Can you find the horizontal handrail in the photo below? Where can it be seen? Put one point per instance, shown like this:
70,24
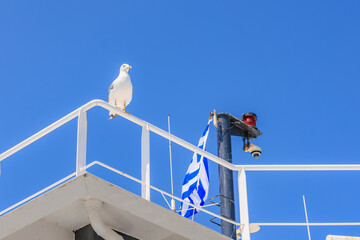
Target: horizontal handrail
127,116
81,161
309,224
173,138
169,195
211,213
37,194
309,167
161,191
160,132
39,134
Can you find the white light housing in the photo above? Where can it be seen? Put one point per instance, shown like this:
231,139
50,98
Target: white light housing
253,229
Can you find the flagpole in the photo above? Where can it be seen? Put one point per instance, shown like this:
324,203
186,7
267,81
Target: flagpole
171,172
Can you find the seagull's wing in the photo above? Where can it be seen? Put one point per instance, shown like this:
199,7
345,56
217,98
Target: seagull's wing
110,88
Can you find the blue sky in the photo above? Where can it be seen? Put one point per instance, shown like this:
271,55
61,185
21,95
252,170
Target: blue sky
294,63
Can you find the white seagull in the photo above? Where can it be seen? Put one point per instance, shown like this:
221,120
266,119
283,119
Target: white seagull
121,90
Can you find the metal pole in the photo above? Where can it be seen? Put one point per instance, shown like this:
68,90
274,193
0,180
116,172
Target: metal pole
81,142
243,205
145,162
171,171
226,183
306,216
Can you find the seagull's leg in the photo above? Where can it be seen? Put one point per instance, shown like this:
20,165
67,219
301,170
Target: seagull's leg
112,102
125,110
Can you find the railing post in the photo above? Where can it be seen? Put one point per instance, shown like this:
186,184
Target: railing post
81,142
243,205
145,162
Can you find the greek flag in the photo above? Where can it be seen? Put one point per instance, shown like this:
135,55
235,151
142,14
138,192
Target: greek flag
195,188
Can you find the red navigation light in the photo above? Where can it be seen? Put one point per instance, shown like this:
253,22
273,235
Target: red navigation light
249,118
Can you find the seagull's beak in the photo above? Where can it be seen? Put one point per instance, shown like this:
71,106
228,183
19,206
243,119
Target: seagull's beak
129,67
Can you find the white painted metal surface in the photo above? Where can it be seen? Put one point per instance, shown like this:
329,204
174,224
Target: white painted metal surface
145,162
37,194
243,205
191,147
310,167
333,237
306,217
172,205
93,207
75,192
42,230
63,208
81,142
202,209
39,135
310,224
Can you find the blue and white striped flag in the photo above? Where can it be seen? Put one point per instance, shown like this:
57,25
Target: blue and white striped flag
195,188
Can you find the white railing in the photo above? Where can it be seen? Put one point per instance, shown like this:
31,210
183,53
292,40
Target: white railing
145,164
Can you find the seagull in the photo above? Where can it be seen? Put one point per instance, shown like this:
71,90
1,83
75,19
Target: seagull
121,90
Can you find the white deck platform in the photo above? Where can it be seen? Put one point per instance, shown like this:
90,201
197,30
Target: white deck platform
57,213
